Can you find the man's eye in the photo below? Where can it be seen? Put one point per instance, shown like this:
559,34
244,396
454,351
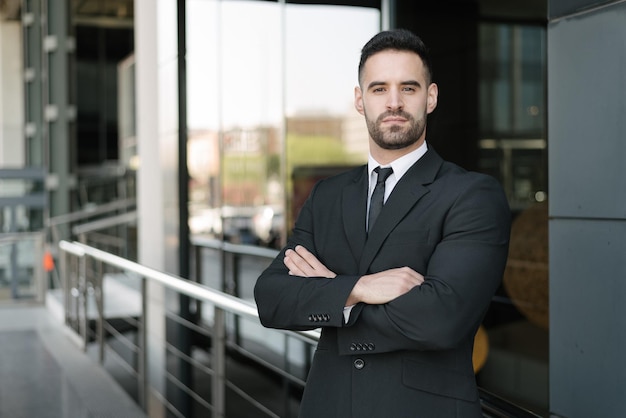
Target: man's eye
378,90
409,89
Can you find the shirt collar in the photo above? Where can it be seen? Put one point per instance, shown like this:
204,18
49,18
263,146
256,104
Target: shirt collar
400,165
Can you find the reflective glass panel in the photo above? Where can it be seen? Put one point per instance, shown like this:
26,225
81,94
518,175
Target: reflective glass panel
513,148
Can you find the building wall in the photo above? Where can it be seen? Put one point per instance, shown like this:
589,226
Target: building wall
11,95
587,170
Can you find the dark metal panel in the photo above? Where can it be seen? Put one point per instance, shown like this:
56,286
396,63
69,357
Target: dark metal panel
561,8
587,342
586,84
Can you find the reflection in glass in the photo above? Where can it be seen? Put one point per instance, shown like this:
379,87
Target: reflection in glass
513,148
324,133
268,97
512,110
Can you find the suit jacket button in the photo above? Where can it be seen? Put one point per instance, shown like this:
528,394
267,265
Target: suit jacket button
359,347
352,347
311,318
359,364
371,346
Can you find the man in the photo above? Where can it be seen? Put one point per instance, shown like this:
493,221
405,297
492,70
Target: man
399,298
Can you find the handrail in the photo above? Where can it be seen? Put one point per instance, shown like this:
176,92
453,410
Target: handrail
240,249
90,211
11,237
105,223
179,284
22,173
184,286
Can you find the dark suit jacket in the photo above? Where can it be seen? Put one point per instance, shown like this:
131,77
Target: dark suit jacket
411,357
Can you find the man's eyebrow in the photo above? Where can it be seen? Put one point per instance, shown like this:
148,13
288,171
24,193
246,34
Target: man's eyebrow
376,84
411,83
404,83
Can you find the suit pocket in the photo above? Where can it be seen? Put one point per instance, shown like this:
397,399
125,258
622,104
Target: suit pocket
433,379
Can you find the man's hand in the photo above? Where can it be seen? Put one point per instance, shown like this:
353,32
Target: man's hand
374,289
383,287
302,263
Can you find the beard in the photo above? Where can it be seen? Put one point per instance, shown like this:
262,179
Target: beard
396,137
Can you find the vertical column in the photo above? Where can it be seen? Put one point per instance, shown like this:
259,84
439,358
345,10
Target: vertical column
58,112
150,191
34,75
587,168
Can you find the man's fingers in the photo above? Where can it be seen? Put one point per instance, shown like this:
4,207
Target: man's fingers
309,258
293,262
297,265
301,262
291,266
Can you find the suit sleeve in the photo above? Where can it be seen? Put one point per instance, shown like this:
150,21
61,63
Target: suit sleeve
301,303
464,271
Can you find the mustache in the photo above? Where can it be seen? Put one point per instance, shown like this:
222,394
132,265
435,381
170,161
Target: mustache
397,113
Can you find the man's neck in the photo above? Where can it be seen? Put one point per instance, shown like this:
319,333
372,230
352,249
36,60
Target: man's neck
386,156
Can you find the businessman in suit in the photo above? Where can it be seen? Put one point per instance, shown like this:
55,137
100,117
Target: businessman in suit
398,292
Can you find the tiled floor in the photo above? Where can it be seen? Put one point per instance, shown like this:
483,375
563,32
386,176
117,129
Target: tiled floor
43,374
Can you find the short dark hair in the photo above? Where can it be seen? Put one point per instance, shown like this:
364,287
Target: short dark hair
399,40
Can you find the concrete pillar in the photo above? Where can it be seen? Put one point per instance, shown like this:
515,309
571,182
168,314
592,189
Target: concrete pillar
157,143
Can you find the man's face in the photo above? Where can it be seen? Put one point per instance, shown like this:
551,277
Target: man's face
395,97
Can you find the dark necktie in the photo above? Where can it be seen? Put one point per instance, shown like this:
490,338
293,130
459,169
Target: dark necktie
378,196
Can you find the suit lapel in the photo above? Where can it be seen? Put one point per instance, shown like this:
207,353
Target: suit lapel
403,198
353,211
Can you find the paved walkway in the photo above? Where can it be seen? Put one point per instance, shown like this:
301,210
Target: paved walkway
43,374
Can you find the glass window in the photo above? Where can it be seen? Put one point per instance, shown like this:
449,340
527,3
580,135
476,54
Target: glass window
513,148
324,132
268,100
513,110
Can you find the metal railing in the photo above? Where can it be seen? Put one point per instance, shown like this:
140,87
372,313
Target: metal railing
87,225
85,271
21,270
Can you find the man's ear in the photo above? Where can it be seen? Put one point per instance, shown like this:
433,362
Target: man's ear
358,100
433,93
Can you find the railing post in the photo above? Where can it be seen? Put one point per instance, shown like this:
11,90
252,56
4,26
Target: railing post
218,387
197,250
65,285
83,320
99,294
142,343
41,275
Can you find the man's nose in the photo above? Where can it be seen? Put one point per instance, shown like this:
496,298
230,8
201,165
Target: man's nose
394,100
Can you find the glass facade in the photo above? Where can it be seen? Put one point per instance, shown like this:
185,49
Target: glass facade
270,110
513,148
512,110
